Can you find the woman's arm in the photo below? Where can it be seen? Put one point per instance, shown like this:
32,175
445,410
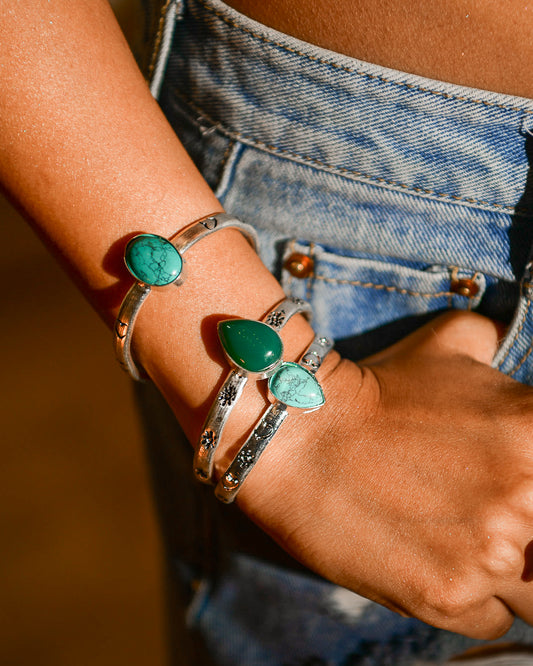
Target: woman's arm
389,489
88,154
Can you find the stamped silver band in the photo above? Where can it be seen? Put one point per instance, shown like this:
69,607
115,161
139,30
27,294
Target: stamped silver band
137,294
231,390
231,481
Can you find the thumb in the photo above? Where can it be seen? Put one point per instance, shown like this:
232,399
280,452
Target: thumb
466,333
455,332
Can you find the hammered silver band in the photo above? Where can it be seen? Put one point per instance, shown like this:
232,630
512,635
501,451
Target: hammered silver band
231,390
138,293
231,481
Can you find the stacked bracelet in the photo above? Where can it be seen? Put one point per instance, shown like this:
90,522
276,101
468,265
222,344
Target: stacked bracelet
253,348
292,385
155,261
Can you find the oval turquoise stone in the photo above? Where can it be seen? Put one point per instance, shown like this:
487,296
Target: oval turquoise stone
296,387
153,260
250,345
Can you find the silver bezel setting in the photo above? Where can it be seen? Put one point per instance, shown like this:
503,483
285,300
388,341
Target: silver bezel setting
264,431
139,291
219,413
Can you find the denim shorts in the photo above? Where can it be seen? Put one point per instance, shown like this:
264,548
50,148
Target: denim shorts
408,197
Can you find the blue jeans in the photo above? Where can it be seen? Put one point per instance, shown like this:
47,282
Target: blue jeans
408,197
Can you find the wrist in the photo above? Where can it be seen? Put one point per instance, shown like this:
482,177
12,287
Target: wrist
176,337
286,386
297,466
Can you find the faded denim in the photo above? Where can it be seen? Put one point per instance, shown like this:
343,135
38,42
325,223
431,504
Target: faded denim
397,187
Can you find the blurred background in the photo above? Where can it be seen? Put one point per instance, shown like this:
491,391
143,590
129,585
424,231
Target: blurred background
80,555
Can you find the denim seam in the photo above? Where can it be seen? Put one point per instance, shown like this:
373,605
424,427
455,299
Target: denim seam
310,278
342,171
454,270
158,38
474,277
523,360
353,70
389,288
516,335
291,277
223,162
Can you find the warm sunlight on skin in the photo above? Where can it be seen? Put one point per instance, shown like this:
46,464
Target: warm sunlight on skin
87,153
477,43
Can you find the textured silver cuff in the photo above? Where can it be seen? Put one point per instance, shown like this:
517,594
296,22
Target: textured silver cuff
296,394
164,264
234,384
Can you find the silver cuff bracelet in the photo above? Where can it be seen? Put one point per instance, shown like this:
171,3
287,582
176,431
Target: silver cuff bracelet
292,385
253,348
155,261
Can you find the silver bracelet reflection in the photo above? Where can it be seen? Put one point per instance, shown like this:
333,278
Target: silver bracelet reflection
158,256
298,389
235,382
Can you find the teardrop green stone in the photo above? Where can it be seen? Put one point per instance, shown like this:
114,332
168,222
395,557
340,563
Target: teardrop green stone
250,345
153,260
296,387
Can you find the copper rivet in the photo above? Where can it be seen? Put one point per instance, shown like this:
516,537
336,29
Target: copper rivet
464,287
299,265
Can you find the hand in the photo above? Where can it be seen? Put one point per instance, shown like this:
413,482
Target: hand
416,487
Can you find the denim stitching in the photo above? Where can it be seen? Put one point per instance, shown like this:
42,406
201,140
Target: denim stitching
471,298
351,70
359,174
261,145
516,335
523,360
223,162
158,38
454,270
372,285
291,277
310,278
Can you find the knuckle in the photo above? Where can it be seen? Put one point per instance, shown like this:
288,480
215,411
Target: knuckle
500,628
491,631
451,601
503,559
498,543
466,606
521,500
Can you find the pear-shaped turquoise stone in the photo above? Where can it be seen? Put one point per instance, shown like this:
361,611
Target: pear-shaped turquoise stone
250,345
153,260
296,387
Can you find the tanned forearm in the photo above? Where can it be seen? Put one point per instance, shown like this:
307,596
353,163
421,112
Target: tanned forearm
87,152
389,489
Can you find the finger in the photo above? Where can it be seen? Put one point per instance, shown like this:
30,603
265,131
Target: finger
465,333
522,604
455,332
519,596
488,621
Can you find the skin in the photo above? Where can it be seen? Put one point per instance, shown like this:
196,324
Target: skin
86,152
479,43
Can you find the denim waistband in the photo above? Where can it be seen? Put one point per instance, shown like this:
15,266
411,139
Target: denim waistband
406,140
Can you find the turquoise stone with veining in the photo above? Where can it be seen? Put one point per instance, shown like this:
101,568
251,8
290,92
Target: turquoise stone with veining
250,345
296,387
153,260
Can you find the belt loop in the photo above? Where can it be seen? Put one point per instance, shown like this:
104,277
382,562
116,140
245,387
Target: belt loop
171,12
515,355
180,9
